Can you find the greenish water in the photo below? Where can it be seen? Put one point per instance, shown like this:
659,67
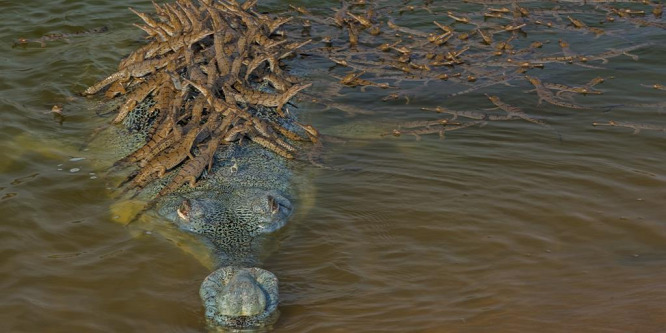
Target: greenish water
502,228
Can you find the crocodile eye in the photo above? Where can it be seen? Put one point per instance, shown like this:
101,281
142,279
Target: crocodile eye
273,204
184,209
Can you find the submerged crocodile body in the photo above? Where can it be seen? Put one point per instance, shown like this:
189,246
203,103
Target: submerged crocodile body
246,196
204,103
233,209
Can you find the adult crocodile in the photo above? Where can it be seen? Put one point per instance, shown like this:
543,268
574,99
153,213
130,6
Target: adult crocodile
233,209
246,195
205,103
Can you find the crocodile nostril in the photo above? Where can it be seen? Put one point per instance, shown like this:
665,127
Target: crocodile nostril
279,204
184,209
273,204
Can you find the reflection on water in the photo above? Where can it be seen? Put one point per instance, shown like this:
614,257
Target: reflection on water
503,227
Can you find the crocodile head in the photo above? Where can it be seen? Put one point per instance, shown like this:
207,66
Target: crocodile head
224,217
236,296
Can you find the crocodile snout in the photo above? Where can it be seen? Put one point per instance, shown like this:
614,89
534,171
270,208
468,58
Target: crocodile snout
240,297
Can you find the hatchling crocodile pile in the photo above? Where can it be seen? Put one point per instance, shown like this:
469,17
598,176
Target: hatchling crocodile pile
210,74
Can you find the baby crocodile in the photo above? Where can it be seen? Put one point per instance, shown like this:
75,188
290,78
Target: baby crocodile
637,127
57,36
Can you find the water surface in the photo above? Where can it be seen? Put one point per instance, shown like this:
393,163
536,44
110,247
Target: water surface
502,228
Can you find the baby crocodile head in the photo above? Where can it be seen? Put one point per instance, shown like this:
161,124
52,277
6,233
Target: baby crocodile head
240,298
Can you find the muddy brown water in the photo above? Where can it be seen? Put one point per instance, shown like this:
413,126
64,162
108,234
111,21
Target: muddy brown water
501,228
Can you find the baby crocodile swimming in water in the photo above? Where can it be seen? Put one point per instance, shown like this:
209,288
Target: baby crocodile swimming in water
57,36
637,127
547,95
